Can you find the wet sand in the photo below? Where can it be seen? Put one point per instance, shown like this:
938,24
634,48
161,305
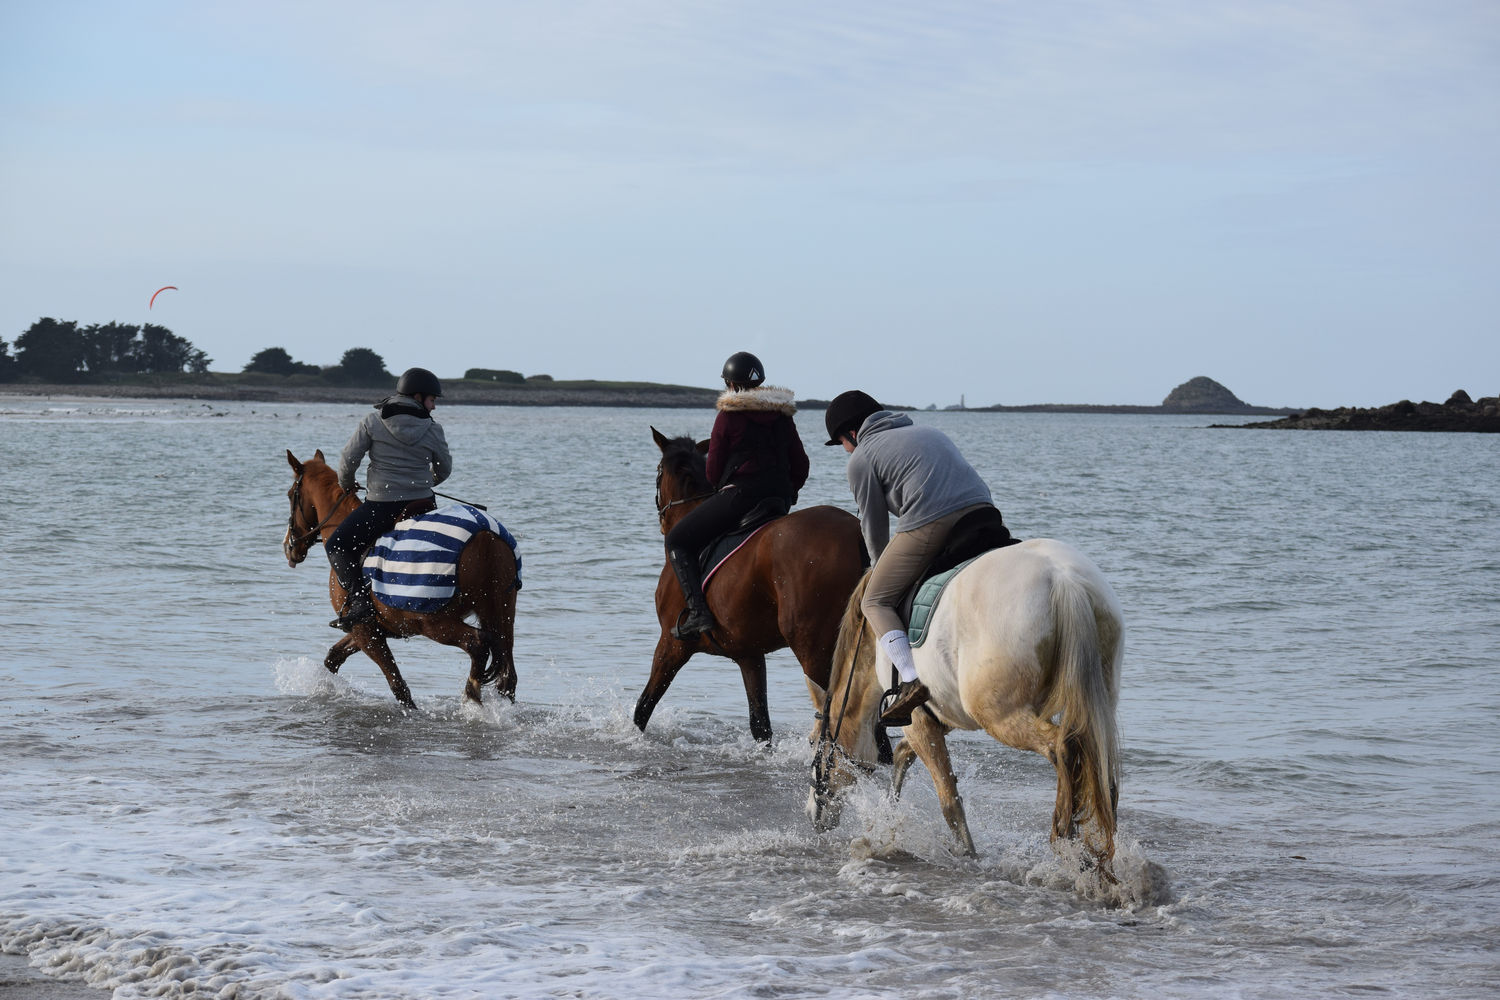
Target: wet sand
19,981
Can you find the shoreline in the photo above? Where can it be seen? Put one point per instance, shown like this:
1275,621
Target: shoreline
460,393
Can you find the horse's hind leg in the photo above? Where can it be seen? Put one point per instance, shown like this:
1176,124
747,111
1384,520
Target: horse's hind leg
926,736
753,673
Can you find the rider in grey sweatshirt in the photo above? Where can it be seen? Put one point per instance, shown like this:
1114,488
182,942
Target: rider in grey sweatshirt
408,452
913,472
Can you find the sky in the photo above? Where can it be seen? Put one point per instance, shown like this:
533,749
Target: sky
1000,202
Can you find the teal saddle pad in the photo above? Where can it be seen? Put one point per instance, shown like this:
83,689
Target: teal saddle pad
925,600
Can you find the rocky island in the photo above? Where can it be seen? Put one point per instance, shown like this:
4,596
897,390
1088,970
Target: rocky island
1459,413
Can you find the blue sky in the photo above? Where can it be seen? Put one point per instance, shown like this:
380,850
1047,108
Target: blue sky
1013,202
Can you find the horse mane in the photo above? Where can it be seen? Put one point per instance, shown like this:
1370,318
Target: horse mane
681,458
851,628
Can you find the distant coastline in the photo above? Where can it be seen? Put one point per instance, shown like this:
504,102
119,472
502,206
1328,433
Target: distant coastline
1460,413
1198,396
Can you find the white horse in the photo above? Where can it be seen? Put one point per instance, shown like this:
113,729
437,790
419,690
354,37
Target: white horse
1025,644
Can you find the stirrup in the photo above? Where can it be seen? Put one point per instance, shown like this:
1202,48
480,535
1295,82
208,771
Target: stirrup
897,705
692,624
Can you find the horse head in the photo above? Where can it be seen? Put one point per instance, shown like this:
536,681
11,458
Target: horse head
302,527
681,476
844,740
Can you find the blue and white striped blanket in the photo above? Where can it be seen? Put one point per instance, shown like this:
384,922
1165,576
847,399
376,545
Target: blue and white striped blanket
414,566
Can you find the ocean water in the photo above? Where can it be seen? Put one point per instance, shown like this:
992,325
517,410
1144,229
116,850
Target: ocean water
193,807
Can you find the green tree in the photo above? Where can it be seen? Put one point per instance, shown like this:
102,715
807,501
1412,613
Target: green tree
7,363
161,350
495,375
276,361
108,348
360,366
51,350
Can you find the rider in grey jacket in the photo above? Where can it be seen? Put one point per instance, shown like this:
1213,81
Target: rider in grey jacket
917,474
408,457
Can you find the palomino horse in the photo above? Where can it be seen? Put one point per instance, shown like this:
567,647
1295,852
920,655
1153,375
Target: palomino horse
486,589
1025,644
786,586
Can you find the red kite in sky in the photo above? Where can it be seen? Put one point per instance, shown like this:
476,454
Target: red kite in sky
154,294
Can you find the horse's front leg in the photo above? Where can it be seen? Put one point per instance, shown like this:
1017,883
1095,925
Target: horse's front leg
927,738
376,648
901,762
753,673
669,657
339,652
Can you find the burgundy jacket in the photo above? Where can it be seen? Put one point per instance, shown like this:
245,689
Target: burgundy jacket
755,444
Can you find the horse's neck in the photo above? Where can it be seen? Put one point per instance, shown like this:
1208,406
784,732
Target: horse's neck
333,504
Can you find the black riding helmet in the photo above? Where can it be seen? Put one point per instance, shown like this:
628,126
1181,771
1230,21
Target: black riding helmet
418,382
847,411
744,368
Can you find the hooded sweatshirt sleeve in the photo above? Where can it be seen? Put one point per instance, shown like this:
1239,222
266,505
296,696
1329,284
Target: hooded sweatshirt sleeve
353,455
796,456
442,462
874,514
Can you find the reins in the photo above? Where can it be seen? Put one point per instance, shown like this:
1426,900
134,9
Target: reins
662,508
315,533
831,742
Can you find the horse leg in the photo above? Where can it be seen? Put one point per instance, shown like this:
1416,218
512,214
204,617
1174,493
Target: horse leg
377,649
900,762
339,652
926,736
495,607
753,673
669,657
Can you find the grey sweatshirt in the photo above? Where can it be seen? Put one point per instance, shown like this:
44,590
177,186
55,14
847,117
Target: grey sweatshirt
408,453
913,472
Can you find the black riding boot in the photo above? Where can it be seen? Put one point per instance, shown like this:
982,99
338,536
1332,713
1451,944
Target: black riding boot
696,619
358,605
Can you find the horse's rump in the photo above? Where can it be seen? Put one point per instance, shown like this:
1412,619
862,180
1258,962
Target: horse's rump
414,567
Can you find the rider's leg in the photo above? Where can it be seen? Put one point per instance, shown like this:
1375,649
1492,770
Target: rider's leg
686,540
346,552
905,557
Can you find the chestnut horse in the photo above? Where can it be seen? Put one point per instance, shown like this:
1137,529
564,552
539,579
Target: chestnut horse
1025,644
785,587
486,589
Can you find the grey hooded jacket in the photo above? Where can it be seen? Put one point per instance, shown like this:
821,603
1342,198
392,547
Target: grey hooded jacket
408,452
913,472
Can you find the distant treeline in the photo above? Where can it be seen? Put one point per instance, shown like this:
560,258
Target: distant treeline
63,352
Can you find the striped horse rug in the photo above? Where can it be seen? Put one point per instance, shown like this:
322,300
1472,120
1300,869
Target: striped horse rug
414,566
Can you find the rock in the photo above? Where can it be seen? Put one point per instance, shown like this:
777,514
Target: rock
1203,395
1459,413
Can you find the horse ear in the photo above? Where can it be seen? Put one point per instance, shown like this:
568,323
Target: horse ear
702,447
292,461
661,440
319,456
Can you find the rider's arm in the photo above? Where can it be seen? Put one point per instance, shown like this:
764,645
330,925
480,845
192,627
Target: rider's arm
442,462
354,453
869,494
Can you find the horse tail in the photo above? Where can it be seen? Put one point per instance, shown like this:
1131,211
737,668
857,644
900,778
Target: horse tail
1082,698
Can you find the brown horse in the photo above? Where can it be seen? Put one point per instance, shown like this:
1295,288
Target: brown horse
486,589
785,587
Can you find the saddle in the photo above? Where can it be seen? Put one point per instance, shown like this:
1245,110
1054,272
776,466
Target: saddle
976,533
721,548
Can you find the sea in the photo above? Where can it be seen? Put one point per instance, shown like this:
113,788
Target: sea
191,806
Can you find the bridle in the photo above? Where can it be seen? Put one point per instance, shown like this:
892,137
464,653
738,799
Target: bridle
662,508
828,743
315,533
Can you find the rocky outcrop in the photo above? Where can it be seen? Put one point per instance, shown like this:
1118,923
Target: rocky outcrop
1203,395
1459,413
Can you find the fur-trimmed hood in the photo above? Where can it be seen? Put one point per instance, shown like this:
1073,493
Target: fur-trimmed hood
768,398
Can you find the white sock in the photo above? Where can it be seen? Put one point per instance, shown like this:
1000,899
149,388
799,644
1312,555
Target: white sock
898,648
